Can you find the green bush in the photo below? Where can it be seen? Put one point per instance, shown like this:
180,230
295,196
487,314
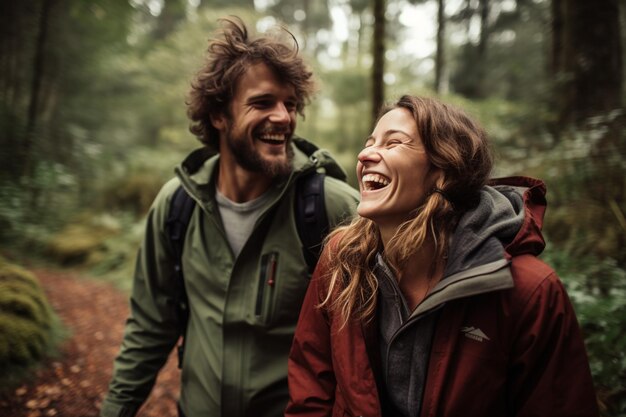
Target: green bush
134,192
81,238
597,288
28,326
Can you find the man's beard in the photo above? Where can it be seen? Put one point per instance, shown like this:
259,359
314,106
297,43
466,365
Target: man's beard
250,159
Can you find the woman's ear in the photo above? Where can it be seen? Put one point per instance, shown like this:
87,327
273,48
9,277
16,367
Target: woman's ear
435,177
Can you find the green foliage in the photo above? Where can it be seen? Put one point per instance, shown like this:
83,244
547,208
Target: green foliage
584,173
105,244
601,312
134,193
74,243
512,61
30,207
335,120
115,260
29,330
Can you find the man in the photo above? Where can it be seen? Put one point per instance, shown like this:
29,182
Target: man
244,269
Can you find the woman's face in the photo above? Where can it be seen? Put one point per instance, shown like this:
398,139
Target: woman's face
393,170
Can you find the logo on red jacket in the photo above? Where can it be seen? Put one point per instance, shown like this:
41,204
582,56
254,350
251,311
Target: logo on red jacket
474,334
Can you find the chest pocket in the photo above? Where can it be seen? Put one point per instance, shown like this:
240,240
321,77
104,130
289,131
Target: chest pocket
266,287
281,286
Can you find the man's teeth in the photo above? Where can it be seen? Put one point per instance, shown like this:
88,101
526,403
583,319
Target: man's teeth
273,137
374,181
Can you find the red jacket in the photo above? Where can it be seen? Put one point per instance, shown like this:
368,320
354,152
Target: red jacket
511,352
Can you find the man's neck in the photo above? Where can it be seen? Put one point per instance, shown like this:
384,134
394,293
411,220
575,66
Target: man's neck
239,185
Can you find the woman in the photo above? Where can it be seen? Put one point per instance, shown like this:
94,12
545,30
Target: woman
433,302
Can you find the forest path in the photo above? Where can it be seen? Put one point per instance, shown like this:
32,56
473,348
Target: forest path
74,383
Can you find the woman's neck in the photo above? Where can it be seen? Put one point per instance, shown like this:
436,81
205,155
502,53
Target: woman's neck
420,274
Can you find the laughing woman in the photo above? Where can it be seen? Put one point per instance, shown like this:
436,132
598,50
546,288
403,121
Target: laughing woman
433,302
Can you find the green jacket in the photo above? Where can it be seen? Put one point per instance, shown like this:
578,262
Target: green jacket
240,328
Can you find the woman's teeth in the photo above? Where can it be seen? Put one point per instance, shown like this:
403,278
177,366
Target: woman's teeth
374,181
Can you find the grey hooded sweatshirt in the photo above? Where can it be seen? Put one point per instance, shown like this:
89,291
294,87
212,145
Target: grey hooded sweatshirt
476,264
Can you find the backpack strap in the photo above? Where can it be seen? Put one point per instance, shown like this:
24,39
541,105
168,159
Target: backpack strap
181,208
311,217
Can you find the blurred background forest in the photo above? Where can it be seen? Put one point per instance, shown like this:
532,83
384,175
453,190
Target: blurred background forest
92,119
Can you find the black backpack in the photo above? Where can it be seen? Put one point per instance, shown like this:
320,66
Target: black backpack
311,222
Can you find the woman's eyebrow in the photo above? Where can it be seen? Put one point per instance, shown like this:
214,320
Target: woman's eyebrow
392,131
387,134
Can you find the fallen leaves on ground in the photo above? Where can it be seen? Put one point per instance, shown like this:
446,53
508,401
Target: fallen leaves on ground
74,383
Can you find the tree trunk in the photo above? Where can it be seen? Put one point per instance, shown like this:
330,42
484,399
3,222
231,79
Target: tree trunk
38,74
587,59
378,52
482,49
587,63
173,12
557,37
440,59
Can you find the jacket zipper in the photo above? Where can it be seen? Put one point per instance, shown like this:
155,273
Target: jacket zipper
267,280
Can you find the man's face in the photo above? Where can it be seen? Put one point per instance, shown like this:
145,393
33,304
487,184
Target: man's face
256,135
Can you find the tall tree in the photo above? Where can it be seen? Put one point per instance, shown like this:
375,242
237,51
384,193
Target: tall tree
172,13
472,69
482,49
440,58
49,76
306,15
587,59
587,65
18,23
378,54
440,82
35,90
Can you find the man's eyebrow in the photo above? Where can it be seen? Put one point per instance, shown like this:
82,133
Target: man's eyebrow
269,96
262,96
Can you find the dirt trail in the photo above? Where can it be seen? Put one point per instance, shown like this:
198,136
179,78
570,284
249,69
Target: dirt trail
74,384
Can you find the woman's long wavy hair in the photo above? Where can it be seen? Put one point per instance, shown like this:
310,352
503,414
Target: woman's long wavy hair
229,55
458,146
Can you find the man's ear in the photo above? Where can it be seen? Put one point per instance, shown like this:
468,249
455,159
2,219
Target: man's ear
218,121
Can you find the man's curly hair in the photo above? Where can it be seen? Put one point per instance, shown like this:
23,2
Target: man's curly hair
229,55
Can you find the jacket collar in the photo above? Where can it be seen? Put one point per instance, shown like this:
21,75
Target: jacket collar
197,171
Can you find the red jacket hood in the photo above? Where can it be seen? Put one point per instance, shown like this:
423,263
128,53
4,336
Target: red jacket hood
529,239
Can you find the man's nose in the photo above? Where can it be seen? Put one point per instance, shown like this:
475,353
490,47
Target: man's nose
280,114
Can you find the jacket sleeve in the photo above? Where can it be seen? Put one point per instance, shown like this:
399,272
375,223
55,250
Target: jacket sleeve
151,330
549,372
341,201
310,368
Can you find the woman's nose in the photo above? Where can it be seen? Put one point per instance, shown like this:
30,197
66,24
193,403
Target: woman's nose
369,154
